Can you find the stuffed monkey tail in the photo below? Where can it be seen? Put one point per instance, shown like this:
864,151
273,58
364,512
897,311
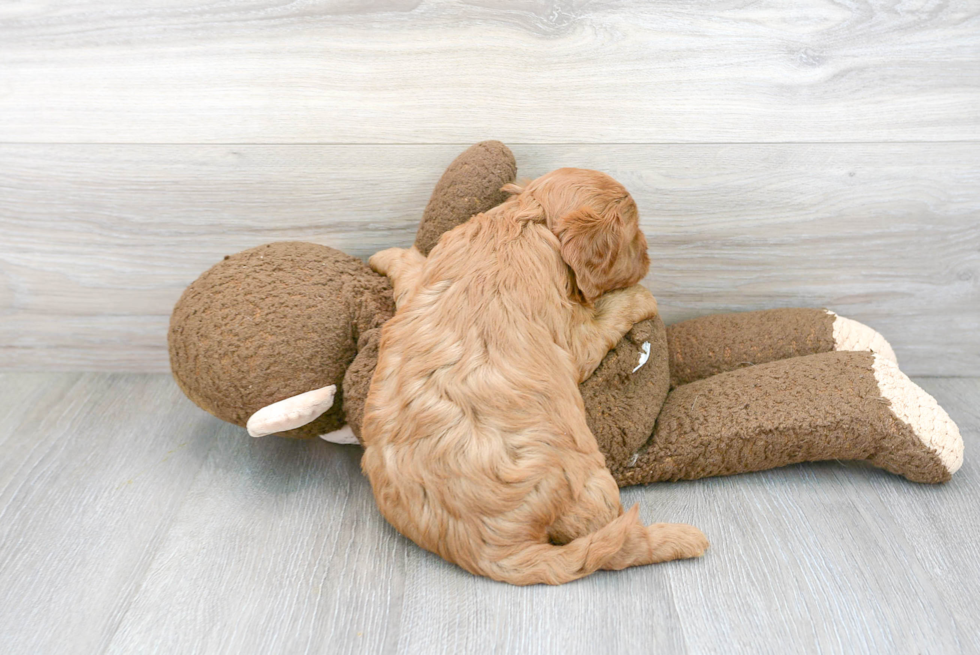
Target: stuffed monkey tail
621,543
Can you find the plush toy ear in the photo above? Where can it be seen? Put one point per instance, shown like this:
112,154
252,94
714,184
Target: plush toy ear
598,250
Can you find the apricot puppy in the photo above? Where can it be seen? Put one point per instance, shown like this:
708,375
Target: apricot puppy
475,436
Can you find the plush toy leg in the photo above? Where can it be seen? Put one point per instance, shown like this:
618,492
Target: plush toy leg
838,405
714,344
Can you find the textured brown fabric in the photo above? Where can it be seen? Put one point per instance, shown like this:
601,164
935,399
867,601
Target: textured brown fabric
469,186
622,405
273,322
358,379
818,407
714,344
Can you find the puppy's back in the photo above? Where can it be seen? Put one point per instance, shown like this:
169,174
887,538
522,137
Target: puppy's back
476,443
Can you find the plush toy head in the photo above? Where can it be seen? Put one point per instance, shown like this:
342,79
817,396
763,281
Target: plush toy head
273,322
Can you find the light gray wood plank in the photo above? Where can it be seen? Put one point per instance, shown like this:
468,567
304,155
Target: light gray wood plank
817,558
19,394
99,241
941,528
843,559
235,545
808,556
450,611
92,470
401,71
278,549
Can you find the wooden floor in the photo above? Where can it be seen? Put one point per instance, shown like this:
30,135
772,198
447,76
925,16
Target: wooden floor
132,522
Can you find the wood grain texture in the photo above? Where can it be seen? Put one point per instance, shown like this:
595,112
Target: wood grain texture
99,241
925,519
404,71
235,545
92,470
278,548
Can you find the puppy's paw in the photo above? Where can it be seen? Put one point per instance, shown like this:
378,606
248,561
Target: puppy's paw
381,262
642,302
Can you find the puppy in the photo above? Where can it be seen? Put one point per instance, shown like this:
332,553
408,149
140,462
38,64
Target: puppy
475,435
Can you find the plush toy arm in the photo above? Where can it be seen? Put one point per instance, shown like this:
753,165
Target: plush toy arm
709,345
615,314
837,405
624,395
471,185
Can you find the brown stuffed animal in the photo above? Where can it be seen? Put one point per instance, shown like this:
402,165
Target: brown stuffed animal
283,338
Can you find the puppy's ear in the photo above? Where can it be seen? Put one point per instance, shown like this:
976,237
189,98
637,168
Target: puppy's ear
599,251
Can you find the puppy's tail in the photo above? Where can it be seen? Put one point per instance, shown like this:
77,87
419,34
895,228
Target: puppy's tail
622,542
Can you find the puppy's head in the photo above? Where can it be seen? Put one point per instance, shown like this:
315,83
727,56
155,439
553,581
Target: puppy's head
597,225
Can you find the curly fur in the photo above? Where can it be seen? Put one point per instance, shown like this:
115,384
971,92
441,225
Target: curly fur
475,434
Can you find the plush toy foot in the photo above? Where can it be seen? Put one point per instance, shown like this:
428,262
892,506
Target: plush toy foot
291,413
851,335
709,345
928,423
835,405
